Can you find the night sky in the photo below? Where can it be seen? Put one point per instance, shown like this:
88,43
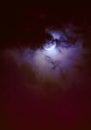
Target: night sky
27,103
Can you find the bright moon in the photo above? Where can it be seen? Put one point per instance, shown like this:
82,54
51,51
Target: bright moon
50,46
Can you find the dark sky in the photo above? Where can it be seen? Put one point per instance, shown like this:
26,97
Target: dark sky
23,24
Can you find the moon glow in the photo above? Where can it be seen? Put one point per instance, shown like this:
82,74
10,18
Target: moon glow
50,46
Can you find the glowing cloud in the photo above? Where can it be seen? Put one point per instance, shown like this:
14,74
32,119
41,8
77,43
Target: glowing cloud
55,62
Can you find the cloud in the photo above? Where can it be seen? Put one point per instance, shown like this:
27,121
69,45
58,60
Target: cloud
58,65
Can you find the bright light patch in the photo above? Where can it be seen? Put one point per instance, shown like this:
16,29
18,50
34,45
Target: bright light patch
50,49
50,46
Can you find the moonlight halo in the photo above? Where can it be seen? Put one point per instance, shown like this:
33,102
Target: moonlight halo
50,46
54,62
